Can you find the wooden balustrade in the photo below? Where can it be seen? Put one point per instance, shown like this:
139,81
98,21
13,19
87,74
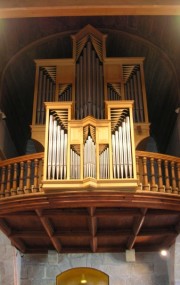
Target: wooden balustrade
21,175
158,172
155,172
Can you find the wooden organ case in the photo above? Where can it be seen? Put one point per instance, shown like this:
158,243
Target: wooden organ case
95,112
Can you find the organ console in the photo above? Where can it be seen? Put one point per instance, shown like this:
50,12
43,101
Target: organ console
94,108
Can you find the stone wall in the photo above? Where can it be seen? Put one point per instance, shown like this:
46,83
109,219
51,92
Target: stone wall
149,268
10,262
177,262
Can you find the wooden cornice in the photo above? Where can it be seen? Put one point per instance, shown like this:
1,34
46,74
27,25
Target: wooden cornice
54,8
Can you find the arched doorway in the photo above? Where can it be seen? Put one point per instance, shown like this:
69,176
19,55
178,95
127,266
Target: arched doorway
82,275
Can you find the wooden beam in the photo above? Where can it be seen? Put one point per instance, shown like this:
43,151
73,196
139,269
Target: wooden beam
8,232
136,229
33,8
69,233
49,229
29,234
94,244
158,231
93,228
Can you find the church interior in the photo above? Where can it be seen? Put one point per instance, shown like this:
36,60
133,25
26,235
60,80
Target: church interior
89,144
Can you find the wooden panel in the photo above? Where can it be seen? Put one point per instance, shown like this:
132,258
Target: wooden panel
112,73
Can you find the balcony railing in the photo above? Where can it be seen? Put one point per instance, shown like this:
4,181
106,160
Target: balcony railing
155,173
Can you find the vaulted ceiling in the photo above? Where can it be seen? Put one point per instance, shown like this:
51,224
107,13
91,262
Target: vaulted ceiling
156,38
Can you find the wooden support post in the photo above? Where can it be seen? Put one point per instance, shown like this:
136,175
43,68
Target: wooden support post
36,176
21,179
145,176
8,184
174,185
3,175
167,181
178,172
153,181
28,177
15,175
161,187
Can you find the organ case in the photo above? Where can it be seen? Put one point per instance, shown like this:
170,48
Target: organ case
89,153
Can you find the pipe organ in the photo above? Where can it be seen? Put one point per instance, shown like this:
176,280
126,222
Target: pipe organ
89,152
89,133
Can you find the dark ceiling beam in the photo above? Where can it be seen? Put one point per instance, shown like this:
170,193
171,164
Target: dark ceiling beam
50,231
93,228
54,8
29,234
136,228
157,232
7,231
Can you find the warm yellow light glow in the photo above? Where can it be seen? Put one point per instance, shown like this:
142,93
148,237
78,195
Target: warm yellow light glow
83,280
164,252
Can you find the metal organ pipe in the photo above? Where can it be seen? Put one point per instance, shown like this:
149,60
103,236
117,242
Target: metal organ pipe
121,151
104,164
57,150
89,83
75,164
140,95
46,91
89,158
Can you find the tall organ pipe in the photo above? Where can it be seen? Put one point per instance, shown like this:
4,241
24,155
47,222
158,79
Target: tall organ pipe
122,151
89,83
57,150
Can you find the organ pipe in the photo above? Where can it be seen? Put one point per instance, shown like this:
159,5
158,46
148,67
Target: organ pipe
89,85
104,164
89,158
57,150
46,91
133,91
121,151
75,164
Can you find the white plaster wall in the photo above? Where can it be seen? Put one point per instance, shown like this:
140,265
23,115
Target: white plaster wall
149,268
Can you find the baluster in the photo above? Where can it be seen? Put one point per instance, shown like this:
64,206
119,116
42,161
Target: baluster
167,182
8,185
42,168
178,173
138,173
28,177
14,186
153,180
161,187
21,179
36,168
3,177
145,176
174,185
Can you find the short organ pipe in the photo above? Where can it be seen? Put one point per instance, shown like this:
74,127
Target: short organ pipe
89,158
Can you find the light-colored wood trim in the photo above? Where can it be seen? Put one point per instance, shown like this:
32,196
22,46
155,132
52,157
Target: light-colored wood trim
22,158
90,9
157,156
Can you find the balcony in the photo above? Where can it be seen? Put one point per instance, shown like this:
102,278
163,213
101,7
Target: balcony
78,219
